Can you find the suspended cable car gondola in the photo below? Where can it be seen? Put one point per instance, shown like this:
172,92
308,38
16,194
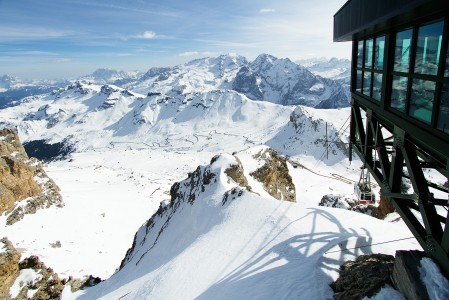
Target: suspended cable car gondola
363,190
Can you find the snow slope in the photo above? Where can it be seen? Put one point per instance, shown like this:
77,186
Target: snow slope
204,245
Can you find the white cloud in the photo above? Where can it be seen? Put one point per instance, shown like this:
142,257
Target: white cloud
147,35
267,10
189,53
197,53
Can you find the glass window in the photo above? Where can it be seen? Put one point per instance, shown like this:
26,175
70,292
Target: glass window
377,86
367,83
428,48
443,112
446,71
379,53
358,84
421,101
402,50
360,54
369,53
399,93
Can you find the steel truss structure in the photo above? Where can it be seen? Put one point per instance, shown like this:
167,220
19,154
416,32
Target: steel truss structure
395,155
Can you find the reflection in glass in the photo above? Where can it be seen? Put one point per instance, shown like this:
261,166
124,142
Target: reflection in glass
379,53
402,50
377,86
367,83
443,112
428,48
369,44
446,71
399,93
360,54
358,83
421,101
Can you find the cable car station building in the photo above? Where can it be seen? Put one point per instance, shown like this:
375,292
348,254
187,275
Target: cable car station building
400,107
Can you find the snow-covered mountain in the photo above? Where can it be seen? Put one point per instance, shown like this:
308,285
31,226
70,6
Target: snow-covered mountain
90,116
285,82
110,76
14,89
334,68
267,78
199,75
218,238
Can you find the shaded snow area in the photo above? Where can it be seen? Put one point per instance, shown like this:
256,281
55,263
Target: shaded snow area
436,284
248,247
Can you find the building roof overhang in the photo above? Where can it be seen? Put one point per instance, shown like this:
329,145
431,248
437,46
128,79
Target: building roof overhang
361,18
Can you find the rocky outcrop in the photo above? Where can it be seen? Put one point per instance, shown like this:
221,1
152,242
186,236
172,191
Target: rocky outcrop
24,185
338,201
9,267
46,284
378,211
363,277
384,208
274,175
27,279
31,279
236,173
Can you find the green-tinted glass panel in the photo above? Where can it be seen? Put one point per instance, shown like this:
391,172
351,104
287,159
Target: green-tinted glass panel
360,54
421,101
367,83
358,83
443,112
377,86
399,93
402,51
369,45
446,70
379,53
428,48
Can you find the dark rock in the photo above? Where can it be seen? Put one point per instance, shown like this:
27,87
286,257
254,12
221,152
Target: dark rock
363,277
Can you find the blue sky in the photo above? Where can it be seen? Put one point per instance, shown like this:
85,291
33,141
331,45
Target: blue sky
69,38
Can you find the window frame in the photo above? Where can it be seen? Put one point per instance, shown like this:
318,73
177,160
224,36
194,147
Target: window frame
372,69
414,76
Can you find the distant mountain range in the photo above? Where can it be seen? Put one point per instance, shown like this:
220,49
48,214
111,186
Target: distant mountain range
205,93
317,83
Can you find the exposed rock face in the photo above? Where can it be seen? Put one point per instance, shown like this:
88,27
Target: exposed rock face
338,201
16,176
24,185
31,279
236,173
45,285
9,267
285,82
383,209
363,277
275,176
